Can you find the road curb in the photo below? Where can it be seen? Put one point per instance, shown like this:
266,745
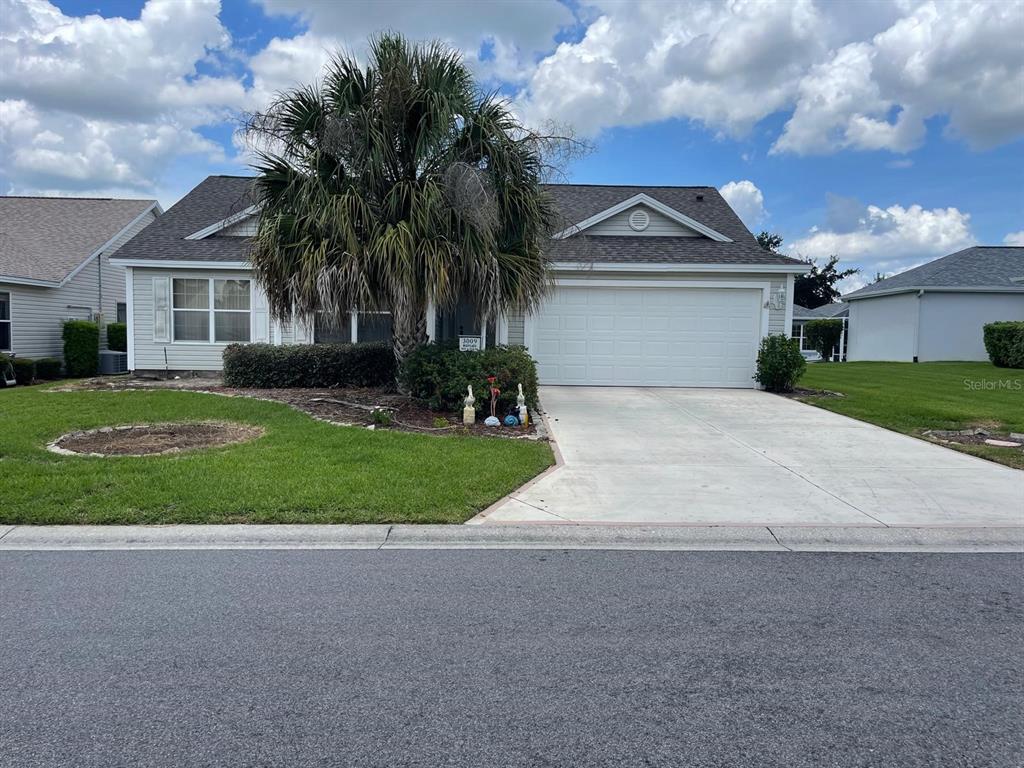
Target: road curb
794,539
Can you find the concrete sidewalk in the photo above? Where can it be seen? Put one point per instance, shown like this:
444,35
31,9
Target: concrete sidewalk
666,538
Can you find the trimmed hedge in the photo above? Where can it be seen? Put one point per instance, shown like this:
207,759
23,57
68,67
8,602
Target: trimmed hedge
779,363
81,348
823,336
117,337
24,370
48,368
438,374
1004,342
266,366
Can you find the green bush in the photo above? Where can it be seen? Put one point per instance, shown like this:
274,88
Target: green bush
266,366
117,337
824,336
438,374
1004,342
24,370
48,368
81,348
779,363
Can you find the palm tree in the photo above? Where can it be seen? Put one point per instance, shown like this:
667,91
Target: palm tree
389,187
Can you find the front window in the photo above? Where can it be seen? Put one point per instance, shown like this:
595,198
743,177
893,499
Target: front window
217,310
353,327
121,312
5,322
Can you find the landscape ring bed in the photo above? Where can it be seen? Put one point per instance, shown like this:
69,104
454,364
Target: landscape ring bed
153,439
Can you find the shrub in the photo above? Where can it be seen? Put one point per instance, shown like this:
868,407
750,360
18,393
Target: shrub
81,348
824,336
48,368
117,337
779,363
438,374
266,366
24,370
1004,342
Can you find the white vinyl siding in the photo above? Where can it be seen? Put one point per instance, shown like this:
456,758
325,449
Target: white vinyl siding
152,354
243,228
660,226
884,328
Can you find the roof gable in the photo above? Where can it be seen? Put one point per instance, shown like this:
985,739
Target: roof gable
645,200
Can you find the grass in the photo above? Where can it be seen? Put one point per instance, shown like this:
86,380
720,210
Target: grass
913,397
300,471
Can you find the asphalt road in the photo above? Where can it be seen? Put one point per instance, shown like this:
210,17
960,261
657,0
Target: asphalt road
510,658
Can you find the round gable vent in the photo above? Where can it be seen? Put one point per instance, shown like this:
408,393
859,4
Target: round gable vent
639,220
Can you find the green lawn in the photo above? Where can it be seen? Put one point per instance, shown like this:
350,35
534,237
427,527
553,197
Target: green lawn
300,471
912,397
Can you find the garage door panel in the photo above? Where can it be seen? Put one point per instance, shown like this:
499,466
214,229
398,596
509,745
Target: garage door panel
648,337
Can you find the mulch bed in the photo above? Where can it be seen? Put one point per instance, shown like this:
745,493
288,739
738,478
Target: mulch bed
149,439
804,392
351,406
976,436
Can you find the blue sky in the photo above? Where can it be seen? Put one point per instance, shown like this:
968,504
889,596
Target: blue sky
887,132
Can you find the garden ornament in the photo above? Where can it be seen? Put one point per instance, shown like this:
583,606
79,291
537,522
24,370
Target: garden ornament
469,412
511,421
492,421
524,417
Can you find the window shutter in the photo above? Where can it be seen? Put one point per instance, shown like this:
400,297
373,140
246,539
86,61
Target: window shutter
162,308
260,315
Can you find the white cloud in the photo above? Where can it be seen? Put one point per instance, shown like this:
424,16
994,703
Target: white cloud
747,200
887,240
92,102
961,59
1014,238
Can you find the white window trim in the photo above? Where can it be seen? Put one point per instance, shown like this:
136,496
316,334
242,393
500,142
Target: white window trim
212,313
9,321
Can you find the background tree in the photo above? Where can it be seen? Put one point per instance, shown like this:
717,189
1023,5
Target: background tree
823,336
386,187
818,286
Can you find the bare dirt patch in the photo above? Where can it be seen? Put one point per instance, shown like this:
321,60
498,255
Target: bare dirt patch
152,439
349,407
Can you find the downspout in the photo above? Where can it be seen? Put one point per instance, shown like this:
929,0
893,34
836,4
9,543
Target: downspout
917,326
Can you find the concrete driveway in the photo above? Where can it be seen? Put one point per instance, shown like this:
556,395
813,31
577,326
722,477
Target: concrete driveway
744,457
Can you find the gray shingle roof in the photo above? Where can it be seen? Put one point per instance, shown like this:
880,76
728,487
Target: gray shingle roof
45,238
215,199
824,311
983,266
218,197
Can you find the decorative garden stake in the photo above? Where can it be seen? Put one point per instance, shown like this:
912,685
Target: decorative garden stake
524,417
492,420
469,412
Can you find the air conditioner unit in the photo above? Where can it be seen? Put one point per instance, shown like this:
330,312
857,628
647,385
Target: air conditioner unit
113,362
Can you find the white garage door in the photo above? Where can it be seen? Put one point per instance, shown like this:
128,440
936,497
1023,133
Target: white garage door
670,337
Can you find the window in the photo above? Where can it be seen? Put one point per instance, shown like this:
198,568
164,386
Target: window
370,327
373,327
5,322
331,331
211,309
121,312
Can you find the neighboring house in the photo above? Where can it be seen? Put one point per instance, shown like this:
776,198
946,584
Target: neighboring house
802,315
55,265
654,286
936,311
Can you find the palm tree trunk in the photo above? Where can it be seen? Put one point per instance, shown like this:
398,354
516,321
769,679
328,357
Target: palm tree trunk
409,331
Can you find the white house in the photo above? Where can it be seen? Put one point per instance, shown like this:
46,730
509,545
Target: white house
658,286
937,311
55,265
